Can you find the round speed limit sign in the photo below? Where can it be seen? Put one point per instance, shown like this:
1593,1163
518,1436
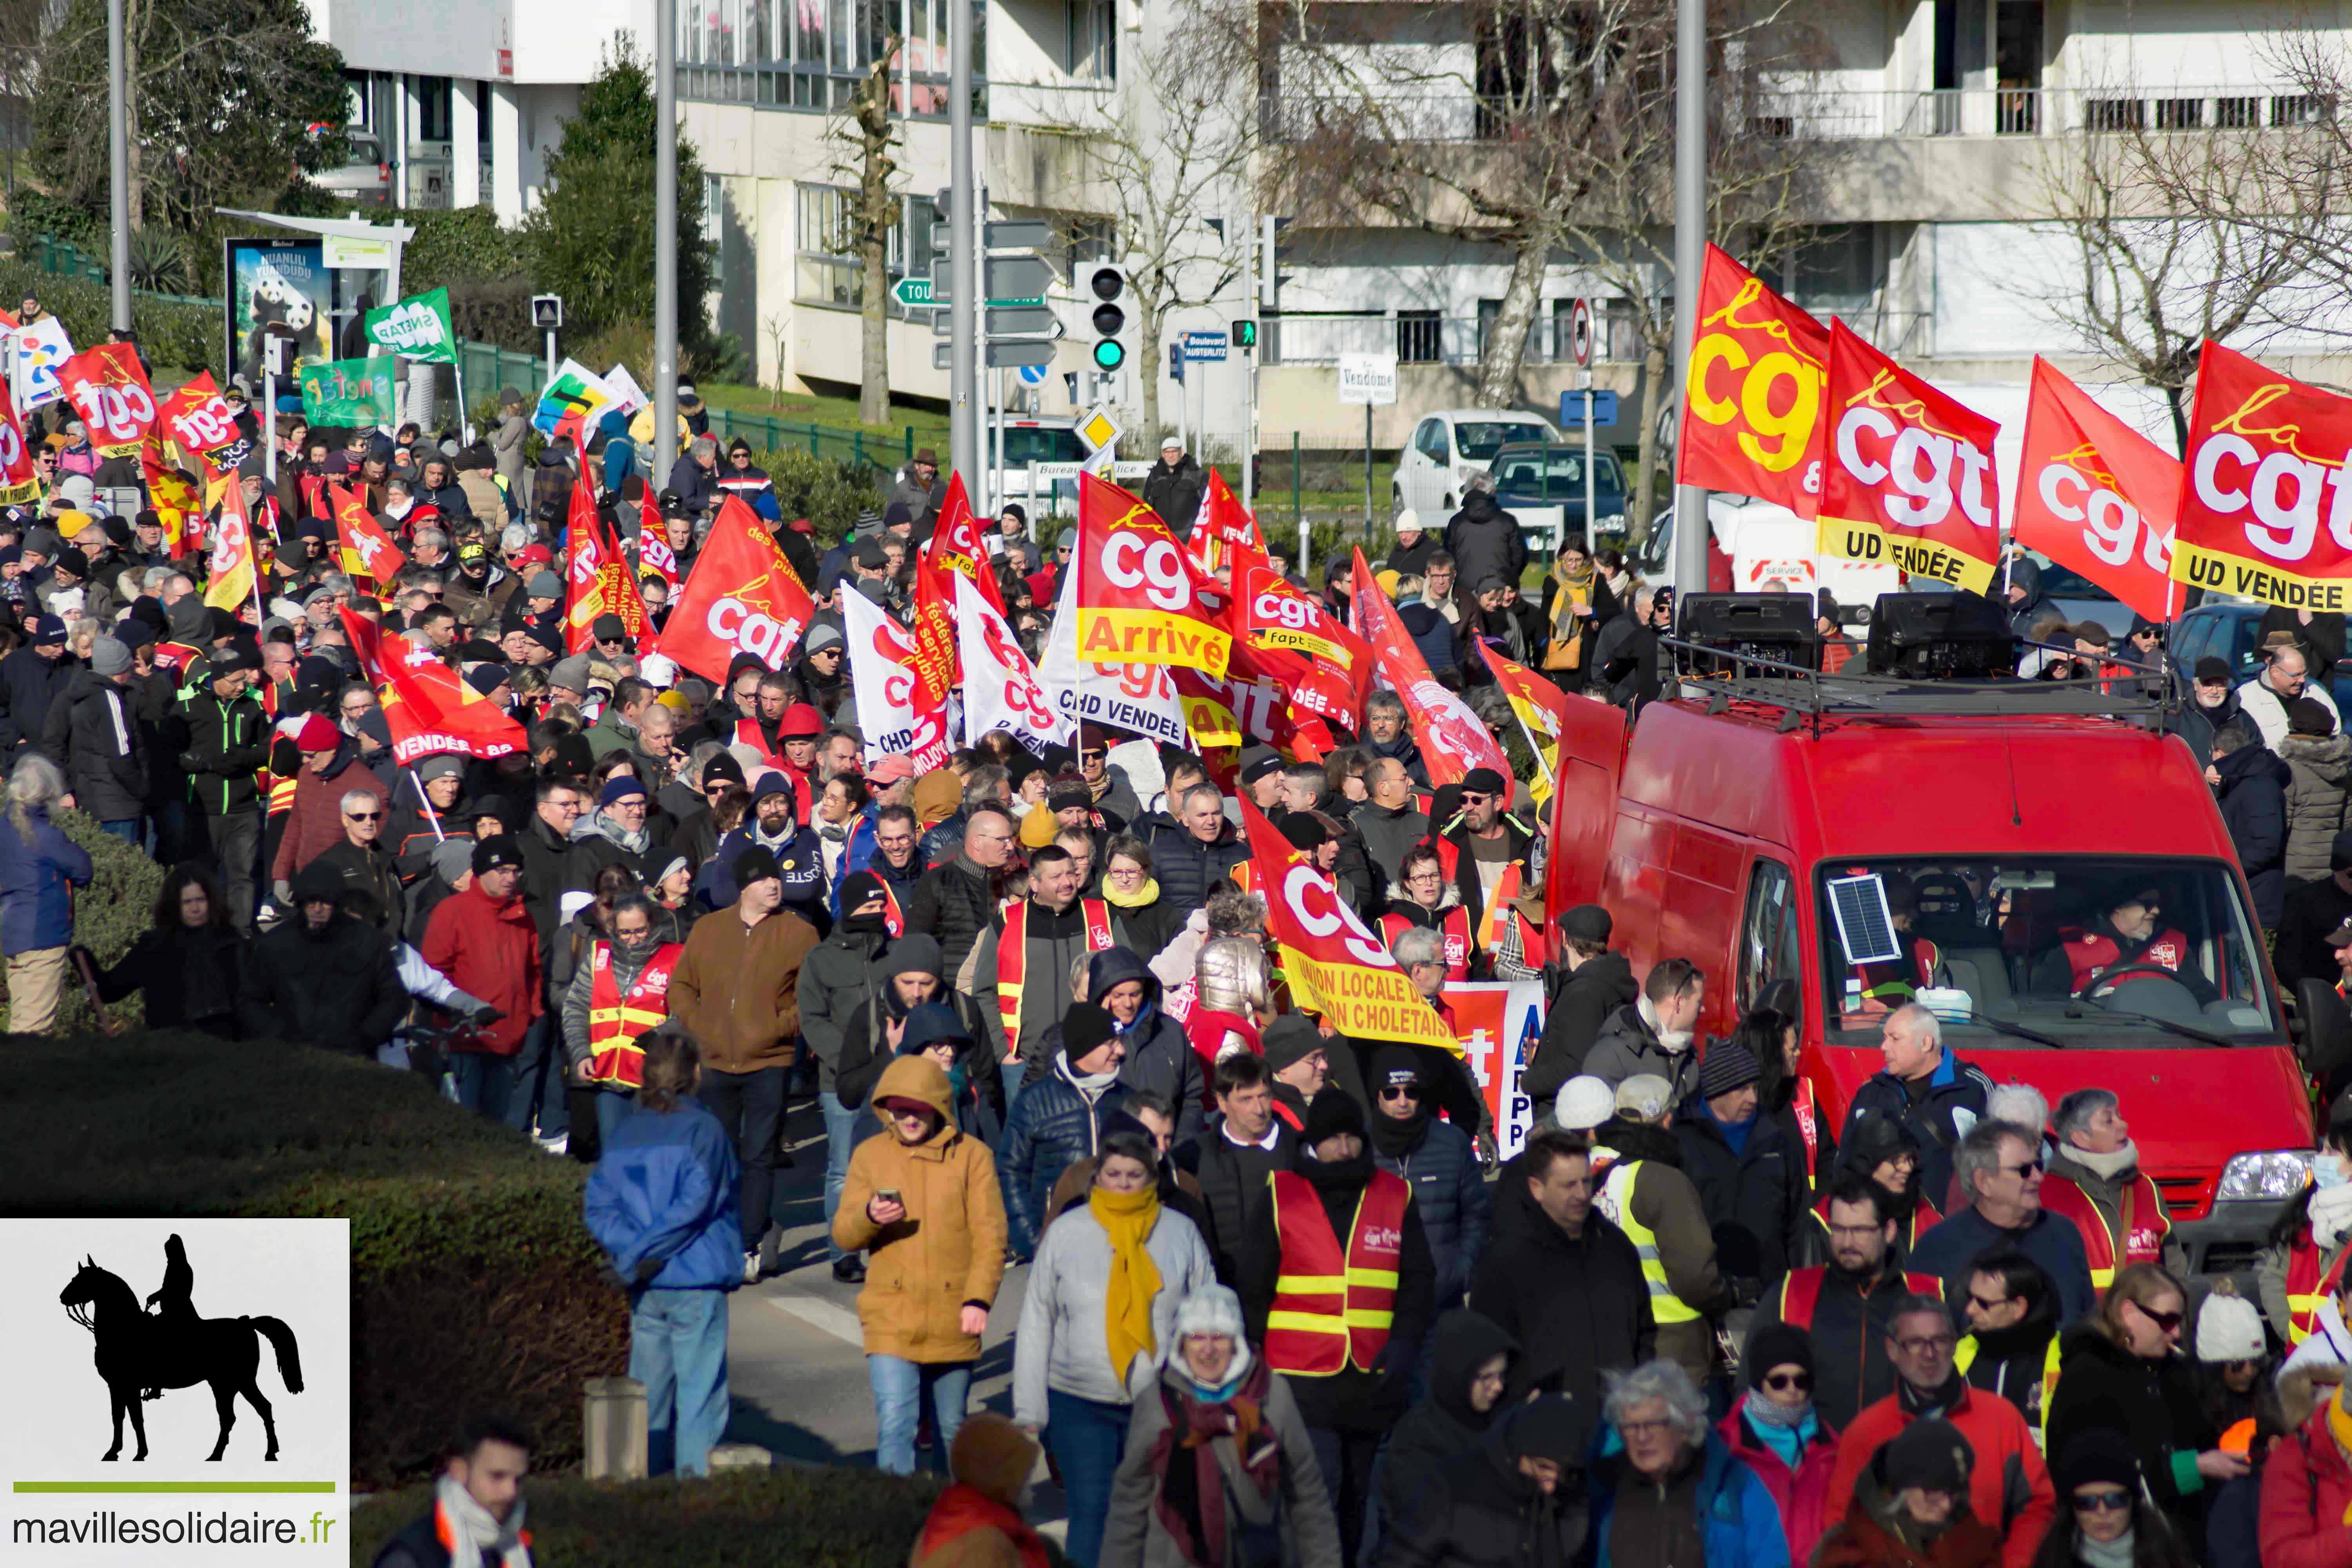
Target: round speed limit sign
1580,330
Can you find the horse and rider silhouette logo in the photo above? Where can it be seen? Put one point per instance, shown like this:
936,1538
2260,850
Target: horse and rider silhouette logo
144,1351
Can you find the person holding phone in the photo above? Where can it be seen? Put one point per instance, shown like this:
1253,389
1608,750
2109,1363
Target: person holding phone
922,1202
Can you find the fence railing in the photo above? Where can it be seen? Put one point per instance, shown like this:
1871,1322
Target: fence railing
2021,111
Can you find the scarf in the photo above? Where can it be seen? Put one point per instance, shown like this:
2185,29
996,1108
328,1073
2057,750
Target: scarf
1784,1429
1147,894
1574,591
636,841
1192,1504
1397,1138
2106,1167
963,1510
2115,1554
2331,1214
1937,1403
1127,1218
1092,1085
473,1537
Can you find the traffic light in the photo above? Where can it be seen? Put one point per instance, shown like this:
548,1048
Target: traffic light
1110,319
1176,363
1244,334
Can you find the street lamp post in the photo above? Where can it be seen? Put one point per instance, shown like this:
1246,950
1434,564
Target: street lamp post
665,387
1691,528
118,159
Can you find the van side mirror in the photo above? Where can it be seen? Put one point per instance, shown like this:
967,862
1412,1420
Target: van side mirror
2326,1045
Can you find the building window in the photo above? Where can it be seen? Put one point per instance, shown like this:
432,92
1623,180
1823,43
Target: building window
432,108
2237,114
827,269
1094,40
1420,337
714,196
357,101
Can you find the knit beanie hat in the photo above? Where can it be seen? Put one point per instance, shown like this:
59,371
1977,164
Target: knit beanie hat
1332,1112
1085,1029
453,859
1930,1455
1777,1344
1727,1066
2309,716
1584,1103
109,656
1555,1427
2229,1328
1290,1040
1211,1309
1394,1067
2099,1454
992,1456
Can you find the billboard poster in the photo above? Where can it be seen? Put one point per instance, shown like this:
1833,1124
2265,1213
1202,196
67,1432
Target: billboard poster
275,284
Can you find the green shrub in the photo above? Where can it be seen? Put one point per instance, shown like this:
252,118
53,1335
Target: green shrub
474,1283
32,213
827,492
791,1517
185,337
109,914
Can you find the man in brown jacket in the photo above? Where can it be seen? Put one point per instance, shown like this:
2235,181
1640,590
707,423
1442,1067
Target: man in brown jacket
737,989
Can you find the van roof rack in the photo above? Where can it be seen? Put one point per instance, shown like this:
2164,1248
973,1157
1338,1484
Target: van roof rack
1721,676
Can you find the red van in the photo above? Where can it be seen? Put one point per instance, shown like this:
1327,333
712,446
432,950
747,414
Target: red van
1840,831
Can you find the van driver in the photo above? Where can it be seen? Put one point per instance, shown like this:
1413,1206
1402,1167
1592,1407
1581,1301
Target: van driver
2128,936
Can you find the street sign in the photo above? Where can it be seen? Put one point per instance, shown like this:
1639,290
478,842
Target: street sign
1204,347
1604,407
1023,321
1098,429
1580,330
1032,375
1012,355
1368,379
1019,233
912,293
1018,280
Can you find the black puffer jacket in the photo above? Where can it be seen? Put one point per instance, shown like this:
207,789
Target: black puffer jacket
954,903
1232,1183
1189,869
1449,1187
1054,1124
1579,1306
1479,1511
190,977
92,731
1485,541
29,684
838,977
221,746
1598,988
336,988
2152,1405
1754,1197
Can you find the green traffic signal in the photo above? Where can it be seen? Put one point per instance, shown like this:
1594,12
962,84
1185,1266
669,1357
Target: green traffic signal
1109,353
1244,334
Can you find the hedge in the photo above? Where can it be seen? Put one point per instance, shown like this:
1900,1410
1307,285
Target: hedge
790,1517
474,1285
173,335
109,915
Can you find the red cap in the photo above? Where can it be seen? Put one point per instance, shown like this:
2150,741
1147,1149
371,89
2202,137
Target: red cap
801,720
318,734
535,555
803,525
890,770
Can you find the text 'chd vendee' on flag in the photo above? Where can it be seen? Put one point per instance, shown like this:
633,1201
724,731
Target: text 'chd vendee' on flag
1334,965
741,596
1139,601
2266,506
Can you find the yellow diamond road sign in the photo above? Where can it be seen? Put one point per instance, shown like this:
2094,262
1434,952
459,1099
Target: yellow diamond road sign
1098,430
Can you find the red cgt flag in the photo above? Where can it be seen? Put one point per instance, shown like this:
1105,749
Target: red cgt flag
2266,512
368,549
2096,496
654,553
110,391
1139,602
428,707
585,557
1752,411
933,644
1453,738
743,596
1334,964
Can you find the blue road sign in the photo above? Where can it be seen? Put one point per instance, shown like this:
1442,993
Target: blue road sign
1033,375
1205,346
1604,406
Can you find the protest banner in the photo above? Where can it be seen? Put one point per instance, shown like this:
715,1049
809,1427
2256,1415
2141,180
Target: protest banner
2265,512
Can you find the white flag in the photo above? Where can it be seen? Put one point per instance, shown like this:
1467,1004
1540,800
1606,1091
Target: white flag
882,674
1137,697
1000,688
625,386
41,347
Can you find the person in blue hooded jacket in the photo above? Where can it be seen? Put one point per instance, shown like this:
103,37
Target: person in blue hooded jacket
38,866
1662,1479
662,1204
1157,1058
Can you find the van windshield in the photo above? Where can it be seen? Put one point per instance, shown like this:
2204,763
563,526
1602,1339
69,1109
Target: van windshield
2088,950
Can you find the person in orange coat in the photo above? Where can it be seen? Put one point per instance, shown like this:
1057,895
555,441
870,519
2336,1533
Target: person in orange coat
2008,1486
1918,1515
977,1522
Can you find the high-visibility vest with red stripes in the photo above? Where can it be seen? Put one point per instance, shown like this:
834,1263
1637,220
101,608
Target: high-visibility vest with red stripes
1013,959
615,1019
1454,930
1800,1292
1498,913
2309,1284
2144,1222
1333,1308
748,734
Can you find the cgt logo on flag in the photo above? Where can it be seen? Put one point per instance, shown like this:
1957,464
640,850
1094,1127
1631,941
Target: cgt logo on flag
182,1384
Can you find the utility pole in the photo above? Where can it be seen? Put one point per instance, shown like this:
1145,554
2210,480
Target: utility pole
965,268
665,389
118,158
1691,526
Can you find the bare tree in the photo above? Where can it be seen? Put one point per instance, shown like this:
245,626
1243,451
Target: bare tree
1544,127
866,135
2183,232
1182,146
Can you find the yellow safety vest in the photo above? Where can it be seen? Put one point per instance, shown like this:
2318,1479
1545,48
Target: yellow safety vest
1617,1203
1963,1356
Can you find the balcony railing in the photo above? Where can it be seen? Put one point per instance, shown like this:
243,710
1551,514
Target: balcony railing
1409,112
1429,338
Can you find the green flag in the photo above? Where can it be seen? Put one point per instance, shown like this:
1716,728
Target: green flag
356,393
416,327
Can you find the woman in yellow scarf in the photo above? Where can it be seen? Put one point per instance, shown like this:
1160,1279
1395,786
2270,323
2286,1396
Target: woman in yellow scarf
1100,1302
1577,603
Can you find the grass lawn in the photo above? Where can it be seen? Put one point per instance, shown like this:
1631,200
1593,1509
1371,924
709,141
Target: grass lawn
838,413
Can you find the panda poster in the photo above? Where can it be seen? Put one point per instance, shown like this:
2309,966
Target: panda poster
277,288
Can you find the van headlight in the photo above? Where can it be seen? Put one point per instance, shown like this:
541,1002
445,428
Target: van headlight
2273,1173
